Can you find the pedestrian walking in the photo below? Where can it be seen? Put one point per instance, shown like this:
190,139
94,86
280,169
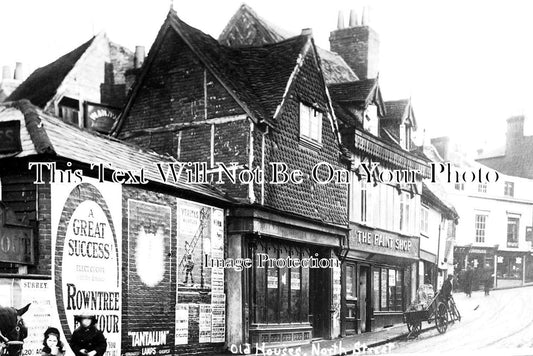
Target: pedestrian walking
87,340
469,276
488,283
52,344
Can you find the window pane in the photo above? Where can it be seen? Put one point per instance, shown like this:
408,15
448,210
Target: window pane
392,285
304,120
375,296
384,280
284,291
272,289
350,281
480,227
260,289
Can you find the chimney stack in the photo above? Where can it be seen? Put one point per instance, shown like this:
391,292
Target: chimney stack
139,57
514,134
7,73
307,32
358,45
19,73
353,18
340,21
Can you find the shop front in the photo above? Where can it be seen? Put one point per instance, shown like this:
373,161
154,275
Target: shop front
476,264
379,271
291,292
511,268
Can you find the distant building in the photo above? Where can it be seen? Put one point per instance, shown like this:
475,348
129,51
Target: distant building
10,81
494,233
85,87
515,158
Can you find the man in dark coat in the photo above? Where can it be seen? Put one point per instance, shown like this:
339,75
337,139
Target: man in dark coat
446,290
87,340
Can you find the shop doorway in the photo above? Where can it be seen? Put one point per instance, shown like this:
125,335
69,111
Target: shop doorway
365,310
319,295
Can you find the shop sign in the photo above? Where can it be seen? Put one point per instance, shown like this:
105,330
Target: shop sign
377,241
101,118
16,240
10,136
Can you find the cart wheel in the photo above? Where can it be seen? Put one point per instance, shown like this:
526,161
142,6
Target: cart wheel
441,318
414,328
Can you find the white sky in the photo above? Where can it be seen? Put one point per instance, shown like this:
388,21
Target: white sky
468,65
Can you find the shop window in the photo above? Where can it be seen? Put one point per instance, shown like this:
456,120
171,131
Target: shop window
424,220
279,295
512,232
508,189
510,267
482,187
480,225
310,124
389,290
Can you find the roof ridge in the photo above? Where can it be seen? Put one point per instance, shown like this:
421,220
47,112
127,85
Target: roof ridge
38,134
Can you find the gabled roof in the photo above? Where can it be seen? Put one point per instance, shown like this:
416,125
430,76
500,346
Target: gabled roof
43,134
41,86
246,28
256,77
362,92
398,111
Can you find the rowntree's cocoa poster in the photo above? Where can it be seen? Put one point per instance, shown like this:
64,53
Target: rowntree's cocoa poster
86,236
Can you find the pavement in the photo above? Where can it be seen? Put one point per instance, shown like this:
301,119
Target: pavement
497,311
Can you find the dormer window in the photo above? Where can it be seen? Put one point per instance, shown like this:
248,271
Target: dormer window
310,124
405,136
371,120
69,110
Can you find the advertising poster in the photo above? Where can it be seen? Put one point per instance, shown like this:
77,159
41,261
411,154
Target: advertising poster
149,282
86,234
200,238
39,294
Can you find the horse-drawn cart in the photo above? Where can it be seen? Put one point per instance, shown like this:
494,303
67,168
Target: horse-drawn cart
430,308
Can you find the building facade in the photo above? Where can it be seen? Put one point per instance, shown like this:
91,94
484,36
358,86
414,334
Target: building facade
493,237
112,242
86,87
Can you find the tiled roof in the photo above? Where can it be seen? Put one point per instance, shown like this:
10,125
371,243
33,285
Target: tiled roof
256,76
45,134
357,91
246,28
395,110
42,84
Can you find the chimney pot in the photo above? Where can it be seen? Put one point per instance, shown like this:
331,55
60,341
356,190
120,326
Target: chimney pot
19,73
364,18
340,21
353,18
7,73
307,32
139,57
